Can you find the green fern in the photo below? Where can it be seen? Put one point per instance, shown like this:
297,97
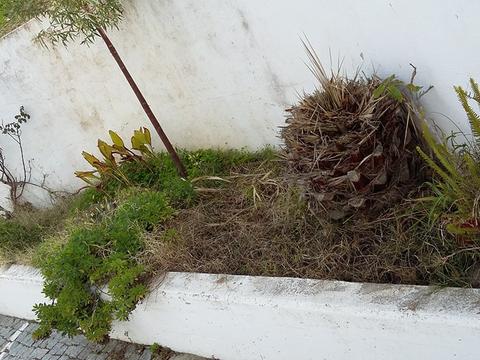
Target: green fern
472,116
450,175
457,189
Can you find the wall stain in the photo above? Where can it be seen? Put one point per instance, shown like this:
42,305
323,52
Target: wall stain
91,123
245,24
277,87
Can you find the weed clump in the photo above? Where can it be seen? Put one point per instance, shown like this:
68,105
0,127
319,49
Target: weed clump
456,186
14,234
27,227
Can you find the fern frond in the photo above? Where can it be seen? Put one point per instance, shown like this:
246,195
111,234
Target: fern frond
472,116
442,173
473,167
476,90
441,152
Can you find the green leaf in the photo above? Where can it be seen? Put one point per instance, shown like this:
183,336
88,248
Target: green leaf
145,150
140,136
472,116
117,140
460,230
414,88
106,150
395,93
89,177
476,90
379,91
136,143
148,136
92,160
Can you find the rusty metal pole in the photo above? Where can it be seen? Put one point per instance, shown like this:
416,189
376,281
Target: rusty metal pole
168,145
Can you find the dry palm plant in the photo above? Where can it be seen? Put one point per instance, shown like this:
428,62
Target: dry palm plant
351,144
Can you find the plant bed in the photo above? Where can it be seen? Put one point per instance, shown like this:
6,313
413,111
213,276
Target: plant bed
248,219
253,221
256,213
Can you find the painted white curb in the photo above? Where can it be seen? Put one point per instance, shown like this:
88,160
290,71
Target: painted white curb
246,318
20,288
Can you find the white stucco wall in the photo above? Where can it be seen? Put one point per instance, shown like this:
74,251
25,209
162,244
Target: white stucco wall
221,72
244,318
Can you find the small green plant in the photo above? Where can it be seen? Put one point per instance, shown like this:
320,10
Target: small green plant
396,88
161,353
456,191
114,155
155,348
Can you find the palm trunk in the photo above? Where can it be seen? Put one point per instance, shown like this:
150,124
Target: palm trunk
168,145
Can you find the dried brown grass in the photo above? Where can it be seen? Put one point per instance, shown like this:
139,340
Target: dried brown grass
259,224
339,205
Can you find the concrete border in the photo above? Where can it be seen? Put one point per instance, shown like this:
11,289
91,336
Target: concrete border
245,318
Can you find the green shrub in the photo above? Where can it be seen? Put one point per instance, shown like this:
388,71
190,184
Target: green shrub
159,172
144,207
95,256
85,200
